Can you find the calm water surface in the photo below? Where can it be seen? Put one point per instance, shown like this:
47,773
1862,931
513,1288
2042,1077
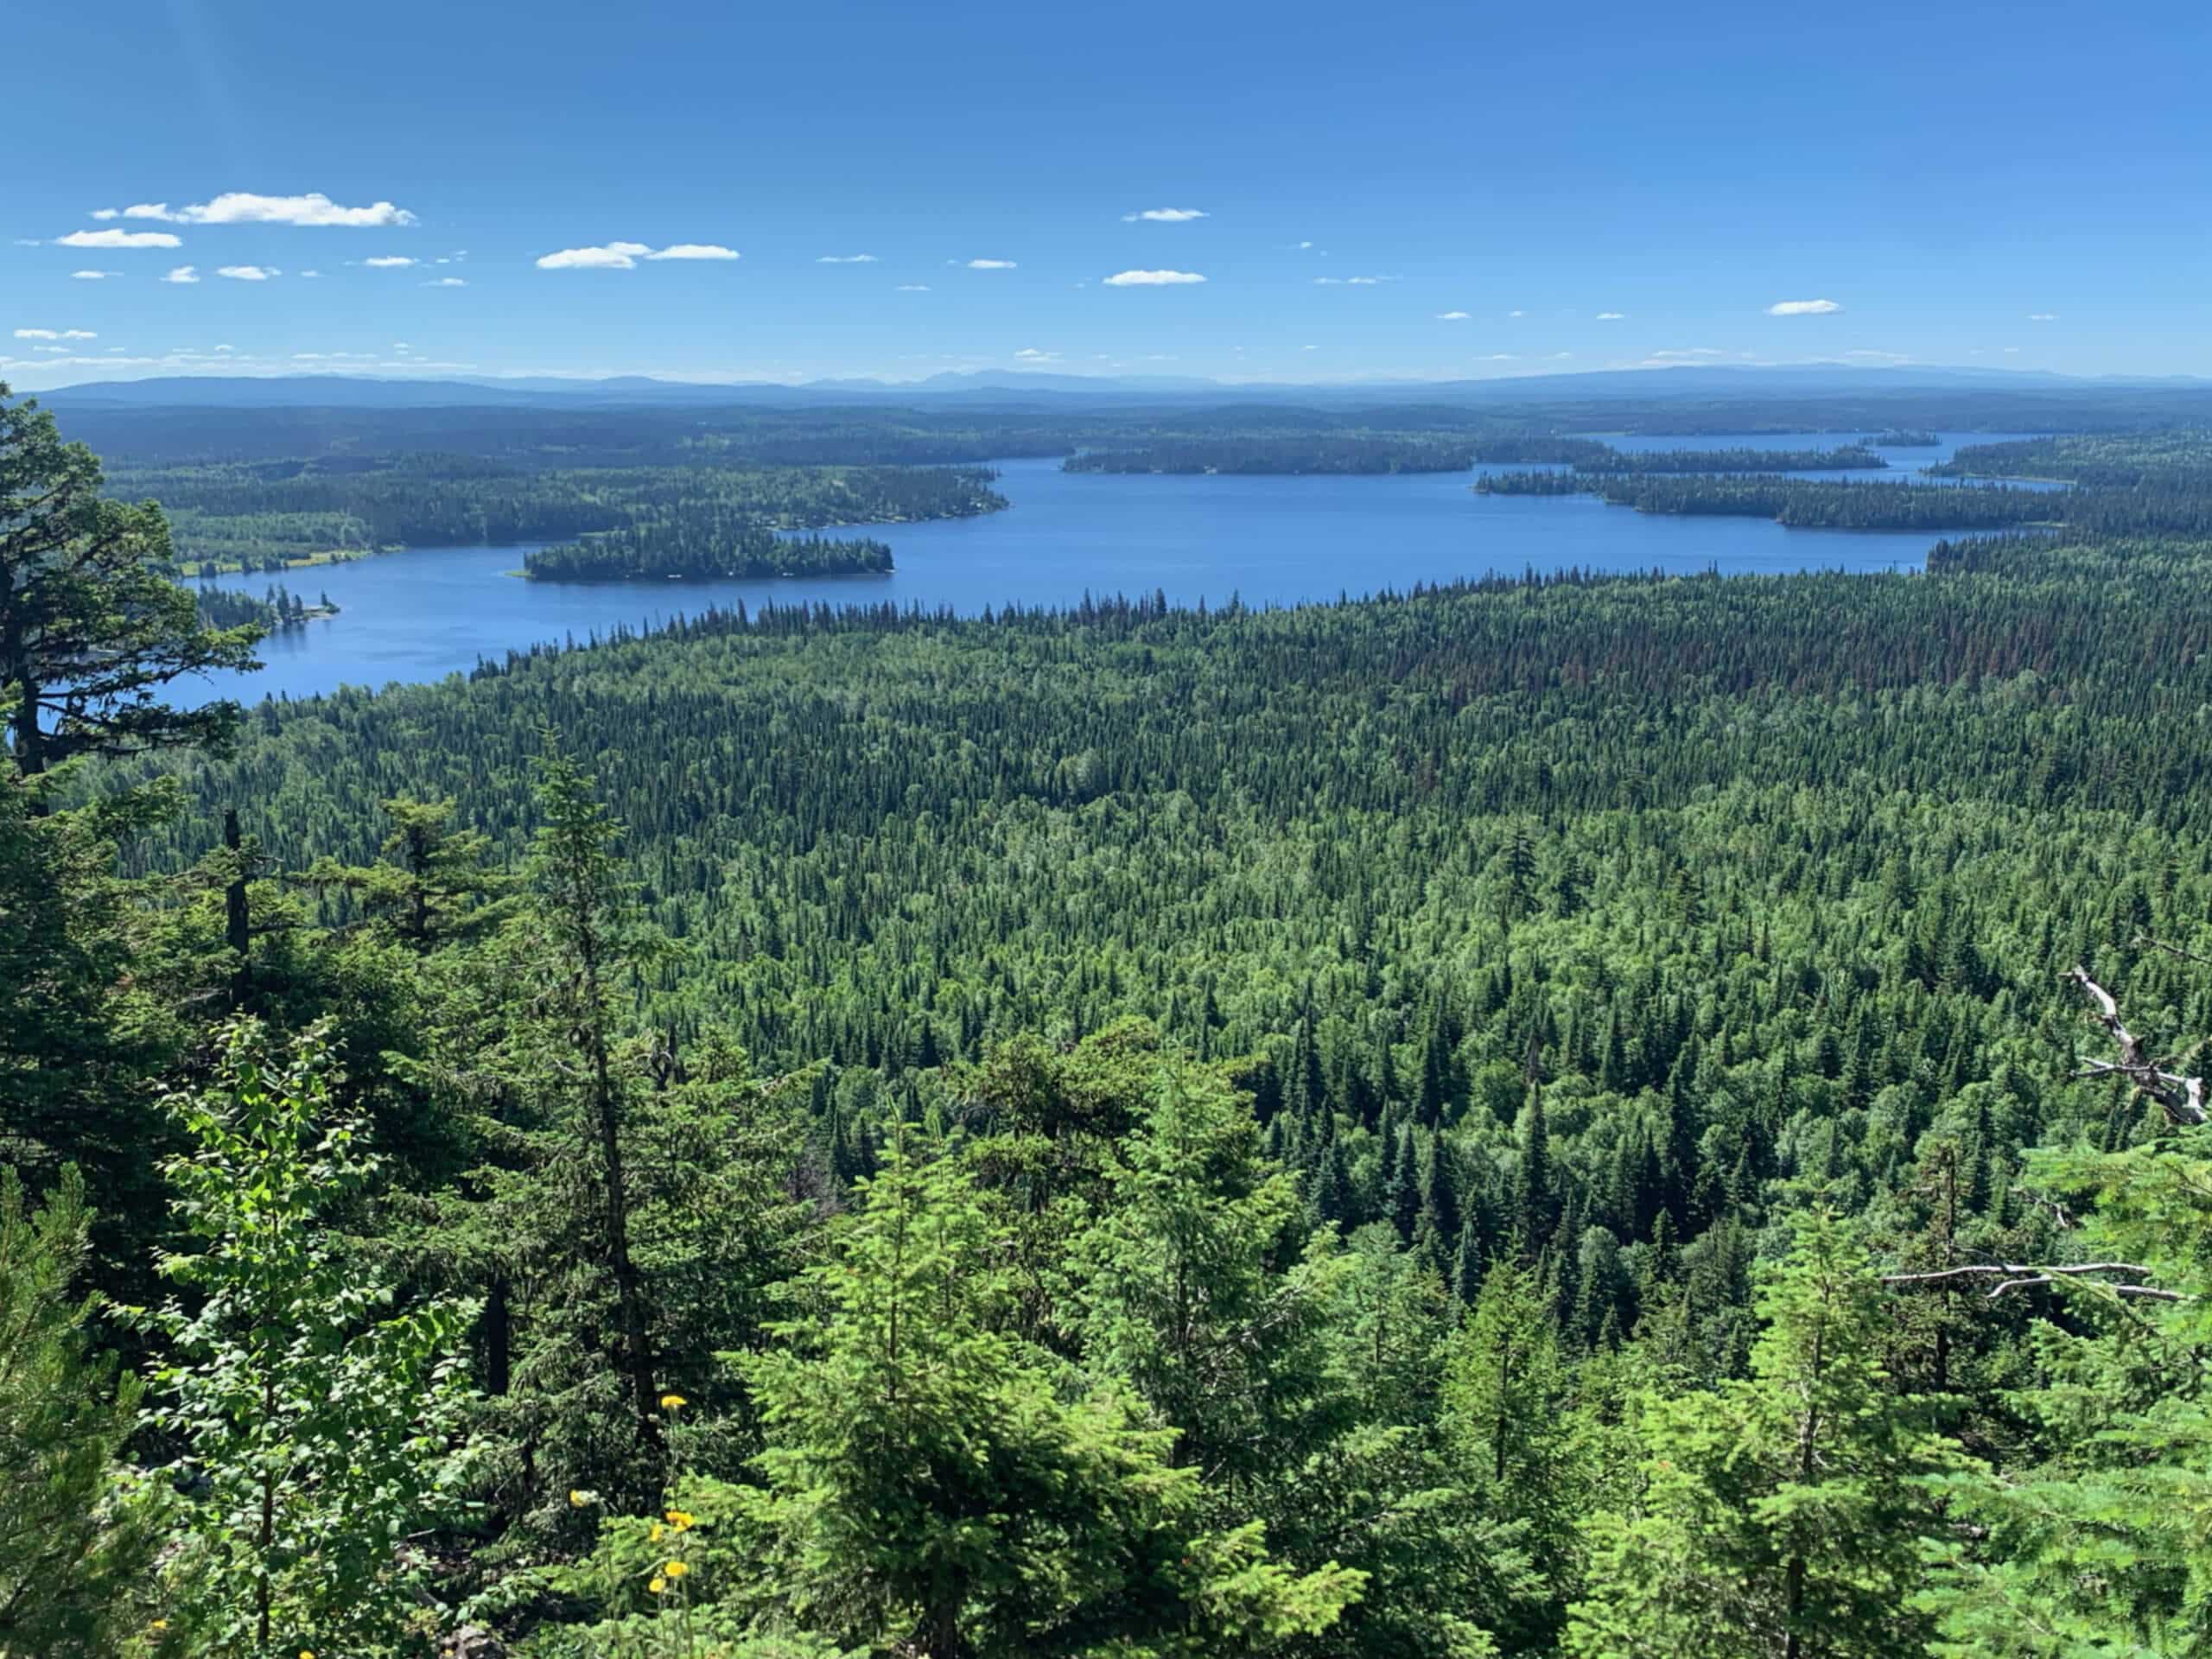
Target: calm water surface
424,615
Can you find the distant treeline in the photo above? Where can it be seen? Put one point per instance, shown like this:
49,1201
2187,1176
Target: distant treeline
1900,438
681,547
258,511
1283,454
1441,452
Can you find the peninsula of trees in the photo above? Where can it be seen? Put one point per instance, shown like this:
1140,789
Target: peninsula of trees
263,512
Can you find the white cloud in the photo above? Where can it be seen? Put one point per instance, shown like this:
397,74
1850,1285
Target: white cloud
388,262
1164,216
1030,354
183,274
248,273
1611,316
244,207
310,273
1499,357
1879,356
446,282
1309,348
1351,282
1802,308
1453,316
118,239
1153,278
614,256
1517,314
94,276
2043,316
107,212
990,264
913,288
624,256
845,259
401,345
1301,248
38,334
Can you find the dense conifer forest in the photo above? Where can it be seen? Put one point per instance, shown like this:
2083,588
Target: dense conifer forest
689,547
1596,1118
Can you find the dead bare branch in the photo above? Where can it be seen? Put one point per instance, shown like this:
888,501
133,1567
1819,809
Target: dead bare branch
2022,1275
2180,1099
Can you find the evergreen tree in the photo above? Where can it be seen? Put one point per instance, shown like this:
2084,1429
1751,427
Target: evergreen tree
1505,1411
584,922
75,1563
91,632
1535,1202
929,1483
1785,1515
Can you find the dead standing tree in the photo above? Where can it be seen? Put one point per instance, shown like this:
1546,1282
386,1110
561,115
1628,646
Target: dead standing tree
2180,1099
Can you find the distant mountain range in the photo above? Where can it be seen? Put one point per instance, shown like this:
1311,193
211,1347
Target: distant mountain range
1001,387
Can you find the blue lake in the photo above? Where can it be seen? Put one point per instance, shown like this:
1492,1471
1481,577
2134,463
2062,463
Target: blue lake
429,612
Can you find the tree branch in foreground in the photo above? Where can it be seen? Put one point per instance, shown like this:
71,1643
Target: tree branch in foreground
2023,1275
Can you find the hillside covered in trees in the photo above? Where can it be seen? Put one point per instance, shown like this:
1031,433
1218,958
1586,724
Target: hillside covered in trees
1581,1118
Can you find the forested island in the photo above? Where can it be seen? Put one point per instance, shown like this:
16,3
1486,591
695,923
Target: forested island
683,547
1559,1118
1905,438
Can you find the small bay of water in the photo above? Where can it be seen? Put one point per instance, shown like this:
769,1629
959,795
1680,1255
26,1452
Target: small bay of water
432,612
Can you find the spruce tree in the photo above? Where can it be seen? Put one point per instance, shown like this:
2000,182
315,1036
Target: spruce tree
1785,1515
934,1484
91,632
75,1562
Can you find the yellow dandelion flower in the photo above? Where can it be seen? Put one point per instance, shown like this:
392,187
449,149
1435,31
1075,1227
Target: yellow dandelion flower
578,1500
673,1403
653,1537
674,1569
680,1520
657,1586
159,1625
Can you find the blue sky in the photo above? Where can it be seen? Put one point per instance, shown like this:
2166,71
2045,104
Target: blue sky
1429,191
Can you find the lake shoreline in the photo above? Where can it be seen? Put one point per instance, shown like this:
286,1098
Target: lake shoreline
1261,541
